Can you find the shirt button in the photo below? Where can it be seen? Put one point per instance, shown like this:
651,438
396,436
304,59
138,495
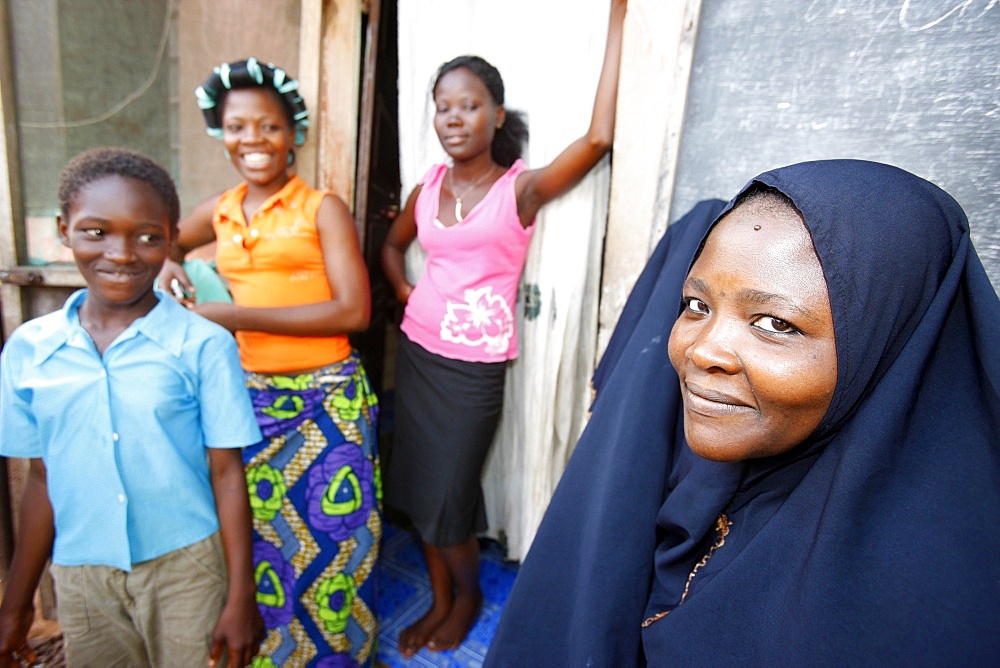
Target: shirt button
114,437
121,498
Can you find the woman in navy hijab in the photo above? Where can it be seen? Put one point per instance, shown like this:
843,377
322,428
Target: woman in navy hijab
808,470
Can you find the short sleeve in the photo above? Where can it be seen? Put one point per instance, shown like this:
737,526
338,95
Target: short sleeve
18,427
227,415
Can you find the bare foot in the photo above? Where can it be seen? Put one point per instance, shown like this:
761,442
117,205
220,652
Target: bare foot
415,636
458,623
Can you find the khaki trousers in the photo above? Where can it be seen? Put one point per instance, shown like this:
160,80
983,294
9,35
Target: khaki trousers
161,614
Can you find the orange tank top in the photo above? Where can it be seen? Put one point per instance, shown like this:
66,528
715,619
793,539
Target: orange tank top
276,260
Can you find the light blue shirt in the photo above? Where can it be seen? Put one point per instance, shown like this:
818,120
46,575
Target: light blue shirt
124,436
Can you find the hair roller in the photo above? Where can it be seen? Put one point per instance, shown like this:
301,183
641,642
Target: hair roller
250,73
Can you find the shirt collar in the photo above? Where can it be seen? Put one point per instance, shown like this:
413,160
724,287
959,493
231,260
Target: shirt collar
166,324
163,325
230,207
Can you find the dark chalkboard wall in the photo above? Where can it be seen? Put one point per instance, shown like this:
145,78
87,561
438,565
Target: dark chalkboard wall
911,83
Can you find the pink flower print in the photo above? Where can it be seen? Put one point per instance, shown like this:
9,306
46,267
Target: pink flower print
484,320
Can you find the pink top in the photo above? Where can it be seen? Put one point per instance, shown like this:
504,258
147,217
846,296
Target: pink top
463,306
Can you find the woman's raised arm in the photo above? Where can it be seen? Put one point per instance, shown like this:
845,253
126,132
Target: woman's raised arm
537,187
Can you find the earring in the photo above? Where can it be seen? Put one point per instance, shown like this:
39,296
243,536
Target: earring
225,151
291,157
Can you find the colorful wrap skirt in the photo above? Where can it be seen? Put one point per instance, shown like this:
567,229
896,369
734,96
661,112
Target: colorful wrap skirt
316,495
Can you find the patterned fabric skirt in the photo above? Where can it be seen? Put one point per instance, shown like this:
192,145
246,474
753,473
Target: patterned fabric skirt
316,494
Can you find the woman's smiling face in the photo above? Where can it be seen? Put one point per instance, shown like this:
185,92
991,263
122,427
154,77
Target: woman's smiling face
754,345
258,135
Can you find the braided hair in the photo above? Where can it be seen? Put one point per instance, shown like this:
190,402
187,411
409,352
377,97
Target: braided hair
510,138
251,73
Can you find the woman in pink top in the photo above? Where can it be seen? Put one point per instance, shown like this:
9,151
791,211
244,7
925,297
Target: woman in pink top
474,218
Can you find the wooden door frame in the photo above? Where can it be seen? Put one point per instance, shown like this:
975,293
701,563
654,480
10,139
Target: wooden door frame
658,45
12,241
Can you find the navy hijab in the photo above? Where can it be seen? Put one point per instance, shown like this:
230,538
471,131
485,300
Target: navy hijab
875,541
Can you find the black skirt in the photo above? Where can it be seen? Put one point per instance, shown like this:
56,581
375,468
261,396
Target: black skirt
446,414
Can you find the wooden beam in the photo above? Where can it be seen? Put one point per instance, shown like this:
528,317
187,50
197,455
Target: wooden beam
339,70
13,245
310,49
658,49
681,78
366,117
49,276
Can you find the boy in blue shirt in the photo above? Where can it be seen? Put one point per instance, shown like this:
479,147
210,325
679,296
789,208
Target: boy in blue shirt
132,411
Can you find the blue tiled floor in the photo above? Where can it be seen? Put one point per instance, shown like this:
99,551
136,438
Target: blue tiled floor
404,595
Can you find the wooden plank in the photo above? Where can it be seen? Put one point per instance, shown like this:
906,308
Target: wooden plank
367,118
657,53
49,276
340,71
308,74
12,241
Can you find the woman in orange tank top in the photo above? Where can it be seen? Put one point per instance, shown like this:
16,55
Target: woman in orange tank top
291,258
